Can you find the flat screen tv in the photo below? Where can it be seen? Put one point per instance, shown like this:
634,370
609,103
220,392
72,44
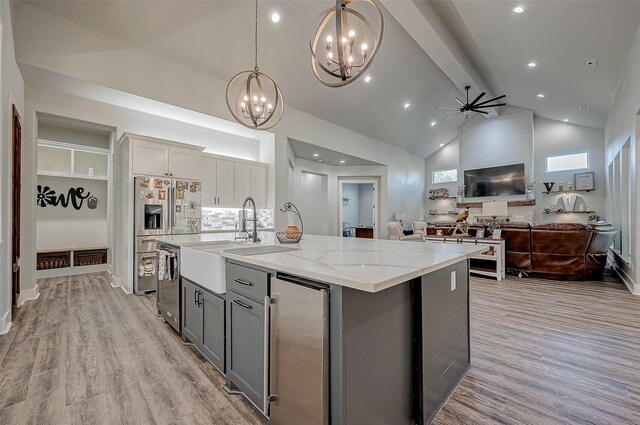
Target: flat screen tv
494,181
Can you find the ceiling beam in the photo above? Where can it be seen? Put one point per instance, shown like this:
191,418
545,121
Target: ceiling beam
426,27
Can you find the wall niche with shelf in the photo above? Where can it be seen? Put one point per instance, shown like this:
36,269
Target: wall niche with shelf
72,205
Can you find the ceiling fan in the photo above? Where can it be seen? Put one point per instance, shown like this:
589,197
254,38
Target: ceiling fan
474,106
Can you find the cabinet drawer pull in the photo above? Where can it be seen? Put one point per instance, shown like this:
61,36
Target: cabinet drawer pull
243,282
243,305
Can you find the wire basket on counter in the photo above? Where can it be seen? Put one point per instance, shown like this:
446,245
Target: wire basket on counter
290,236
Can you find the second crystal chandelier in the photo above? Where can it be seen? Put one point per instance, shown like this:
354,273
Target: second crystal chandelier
345,51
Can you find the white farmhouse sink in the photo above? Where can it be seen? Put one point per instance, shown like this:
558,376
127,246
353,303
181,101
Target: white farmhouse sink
202,265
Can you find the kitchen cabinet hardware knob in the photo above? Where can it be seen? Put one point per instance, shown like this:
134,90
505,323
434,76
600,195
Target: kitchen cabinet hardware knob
243,282
243,305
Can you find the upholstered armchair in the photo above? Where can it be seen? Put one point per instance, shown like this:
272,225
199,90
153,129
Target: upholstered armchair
419,228
394,229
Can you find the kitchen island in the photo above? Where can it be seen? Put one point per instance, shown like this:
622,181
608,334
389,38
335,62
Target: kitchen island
346,331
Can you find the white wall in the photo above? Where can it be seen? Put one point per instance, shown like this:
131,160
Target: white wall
518,137
68,228
316,205
365,194
504,140
623,125
351,208
11,92
559,138
330,204
447,158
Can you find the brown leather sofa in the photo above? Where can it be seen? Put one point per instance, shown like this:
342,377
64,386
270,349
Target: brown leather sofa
563,251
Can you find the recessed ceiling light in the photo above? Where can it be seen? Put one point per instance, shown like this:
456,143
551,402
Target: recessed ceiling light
316,154
275,17
406,105
518,9
342,161
532,65
540,94
433,123
367,78
566,120
441,144
319,160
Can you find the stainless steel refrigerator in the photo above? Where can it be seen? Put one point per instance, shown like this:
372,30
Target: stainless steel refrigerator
162,207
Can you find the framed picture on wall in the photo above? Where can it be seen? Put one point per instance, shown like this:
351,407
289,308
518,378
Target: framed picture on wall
584,181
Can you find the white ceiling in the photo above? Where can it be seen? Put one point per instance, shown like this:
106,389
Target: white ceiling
216,37
326,156
558,36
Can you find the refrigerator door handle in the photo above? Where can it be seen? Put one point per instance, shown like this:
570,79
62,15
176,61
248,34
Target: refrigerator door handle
172,206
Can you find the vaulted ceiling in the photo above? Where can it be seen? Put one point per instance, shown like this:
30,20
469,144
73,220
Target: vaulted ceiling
216,38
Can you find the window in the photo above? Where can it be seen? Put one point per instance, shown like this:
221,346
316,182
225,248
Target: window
574,161
445,176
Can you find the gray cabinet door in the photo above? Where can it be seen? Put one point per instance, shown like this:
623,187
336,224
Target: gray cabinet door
192,313
213,329
245,346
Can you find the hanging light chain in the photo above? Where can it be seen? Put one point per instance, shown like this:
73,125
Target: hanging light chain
256,38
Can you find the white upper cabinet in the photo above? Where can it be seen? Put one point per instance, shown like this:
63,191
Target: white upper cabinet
159,158
259,185
150,158
225,183
209,179
184,162
243,182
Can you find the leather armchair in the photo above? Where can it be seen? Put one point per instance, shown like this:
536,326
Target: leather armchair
559,251
394,230
598,249
517,238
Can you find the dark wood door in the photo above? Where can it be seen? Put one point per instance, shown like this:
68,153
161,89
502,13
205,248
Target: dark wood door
15,212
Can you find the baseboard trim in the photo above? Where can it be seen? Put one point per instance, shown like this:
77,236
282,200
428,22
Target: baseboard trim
629,283
5,323
28,295
116,282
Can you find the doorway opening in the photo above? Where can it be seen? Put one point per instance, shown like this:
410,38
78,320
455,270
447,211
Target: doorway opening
358,199
16,185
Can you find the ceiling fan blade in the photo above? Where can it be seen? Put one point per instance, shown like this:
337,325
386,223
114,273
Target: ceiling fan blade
445,113
444,109
490,106
459,101
491,100
454,115
476,99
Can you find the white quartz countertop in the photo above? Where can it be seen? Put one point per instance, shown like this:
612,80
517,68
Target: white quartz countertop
206,238
365,264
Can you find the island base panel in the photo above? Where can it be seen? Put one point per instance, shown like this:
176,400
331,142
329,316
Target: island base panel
443,353
396,355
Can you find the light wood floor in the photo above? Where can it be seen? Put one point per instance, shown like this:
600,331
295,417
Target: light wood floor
543,352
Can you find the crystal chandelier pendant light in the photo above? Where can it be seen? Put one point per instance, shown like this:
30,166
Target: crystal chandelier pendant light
253,98
342,52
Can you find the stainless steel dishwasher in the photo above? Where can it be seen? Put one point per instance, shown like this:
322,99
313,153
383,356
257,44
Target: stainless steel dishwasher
168,289
298,360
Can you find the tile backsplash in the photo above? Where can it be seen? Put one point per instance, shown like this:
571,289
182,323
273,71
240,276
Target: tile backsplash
228,218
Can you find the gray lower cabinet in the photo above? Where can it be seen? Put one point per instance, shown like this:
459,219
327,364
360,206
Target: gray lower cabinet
246,347
204,322
213,332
